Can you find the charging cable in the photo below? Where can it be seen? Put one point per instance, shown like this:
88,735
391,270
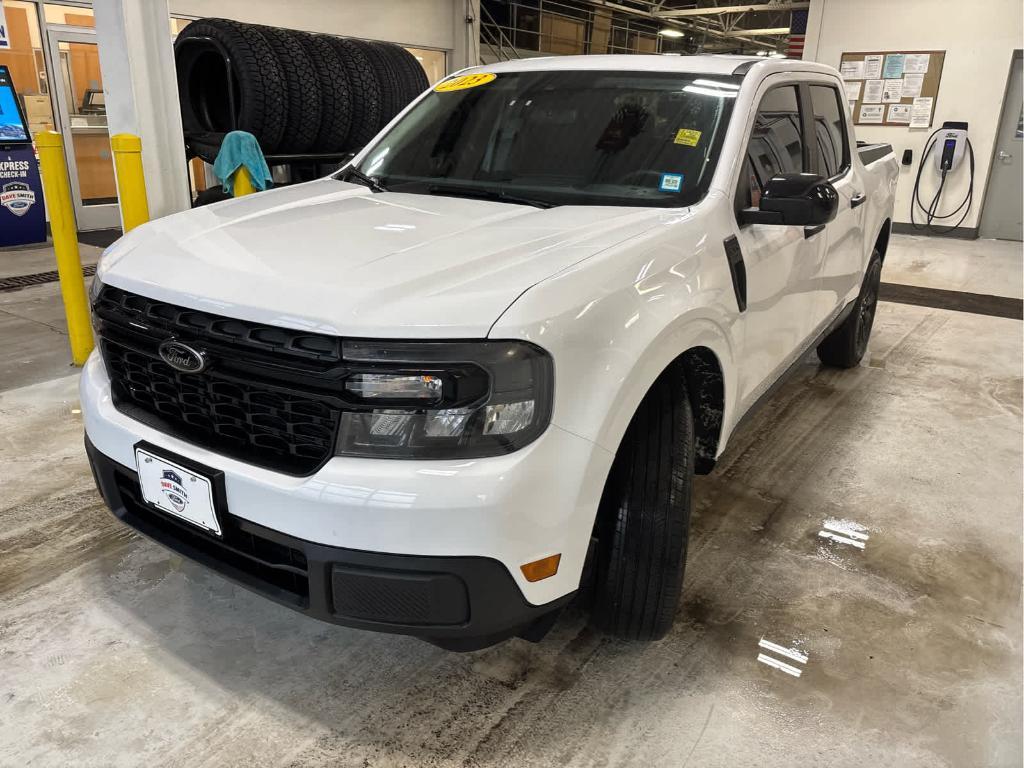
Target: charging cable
931,210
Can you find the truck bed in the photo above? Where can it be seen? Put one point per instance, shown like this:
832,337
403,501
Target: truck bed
871,152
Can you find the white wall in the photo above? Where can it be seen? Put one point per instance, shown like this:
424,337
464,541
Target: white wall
979,37
417,23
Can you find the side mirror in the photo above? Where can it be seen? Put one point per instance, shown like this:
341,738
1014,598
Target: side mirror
800,199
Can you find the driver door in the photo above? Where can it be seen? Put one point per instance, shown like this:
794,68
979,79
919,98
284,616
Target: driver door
782,263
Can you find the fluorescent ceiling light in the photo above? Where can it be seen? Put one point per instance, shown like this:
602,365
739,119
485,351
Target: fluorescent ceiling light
669,32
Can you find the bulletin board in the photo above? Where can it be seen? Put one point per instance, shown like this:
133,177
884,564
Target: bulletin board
897,88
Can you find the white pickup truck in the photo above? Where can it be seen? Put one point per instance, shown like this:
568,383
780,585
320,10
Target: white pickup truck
421,395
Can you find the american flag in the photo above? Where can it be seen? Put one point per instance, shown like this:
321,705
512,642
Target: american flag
797,32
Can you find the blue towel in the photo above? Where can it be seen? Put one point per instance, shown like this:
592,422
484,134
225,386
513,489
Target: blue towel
241,149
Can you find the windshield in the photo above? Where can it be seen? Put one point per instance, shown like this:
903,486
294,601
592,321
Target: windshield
561,138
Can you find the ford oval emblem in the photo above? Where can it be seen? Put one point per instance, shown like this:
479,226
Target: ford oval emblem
182,357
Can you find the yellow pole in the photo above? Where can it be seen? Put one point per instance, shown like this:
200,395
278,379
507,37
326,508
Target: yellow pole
243,182
131,181
57,196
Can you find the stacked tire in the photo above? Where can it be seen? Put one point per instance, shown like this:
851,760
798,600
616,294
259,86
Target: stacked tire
297,92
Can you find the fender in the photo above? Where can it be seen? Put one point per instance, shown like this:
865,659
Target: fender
687,332
672,292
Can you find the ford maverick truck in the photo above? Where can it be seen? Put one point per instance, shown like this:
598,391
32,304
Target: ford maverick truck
474,372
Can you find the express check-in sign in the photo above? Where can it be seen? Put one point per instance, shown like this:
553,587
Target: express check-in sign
22,215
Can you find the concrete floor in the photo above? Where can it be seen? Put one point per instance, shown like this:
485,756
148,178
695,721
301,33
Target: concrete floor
32,323
114,652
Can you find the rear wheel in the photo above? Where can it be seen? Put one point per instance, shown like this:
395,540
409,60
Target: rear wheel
846,345
644,517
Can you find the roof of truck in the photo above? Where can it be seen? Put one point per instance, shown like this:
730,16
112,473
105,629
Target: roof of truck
706,64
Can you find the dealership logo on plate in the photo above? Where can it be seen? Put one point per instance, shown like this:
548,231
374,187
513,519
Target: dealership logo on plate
173,489
17,197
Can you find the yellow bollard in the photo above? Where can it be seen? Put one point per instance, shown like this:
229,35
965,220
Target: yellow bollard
243,182
131,181
57,196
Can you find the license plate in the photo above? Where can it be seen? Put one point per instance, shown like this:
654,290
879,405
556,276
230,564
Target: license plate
177,491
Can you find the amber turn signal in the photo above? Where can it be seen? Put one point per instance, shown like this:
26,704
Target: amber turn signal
541,569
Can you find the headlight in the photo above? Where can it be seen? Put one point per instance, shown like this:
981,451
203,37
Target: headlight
441,400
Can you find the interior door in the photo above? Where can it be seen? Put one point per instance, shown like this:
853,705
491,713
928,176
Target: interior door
782,263
82,121
1001,217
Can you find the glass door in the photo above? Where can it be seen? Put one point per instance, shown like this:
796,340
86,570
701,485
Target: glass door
78,88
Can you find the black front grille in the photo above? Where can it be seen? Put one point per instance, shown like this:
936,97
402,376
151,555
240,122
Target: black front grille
242,336
265,397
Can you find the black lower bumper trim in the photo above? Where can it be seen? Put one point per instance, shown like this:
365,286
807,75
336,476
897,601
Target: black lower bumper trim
461,603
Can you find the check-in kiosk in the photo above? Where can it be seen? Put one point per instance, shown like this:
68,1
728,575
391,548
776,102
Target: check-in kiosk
22,214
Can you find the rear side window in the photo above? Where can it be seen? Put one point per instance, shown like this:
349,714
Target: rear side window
830,130
776,144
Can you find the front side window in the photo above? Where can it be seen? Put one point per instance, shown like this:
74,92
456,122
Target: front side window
562,138
776,144
830,130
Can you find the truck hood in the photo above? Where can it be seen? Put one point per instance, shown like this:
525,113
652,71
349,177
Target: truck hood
336,258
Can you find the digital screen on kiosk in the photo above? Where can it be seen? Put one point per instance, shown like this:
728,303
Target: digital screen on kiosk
12,123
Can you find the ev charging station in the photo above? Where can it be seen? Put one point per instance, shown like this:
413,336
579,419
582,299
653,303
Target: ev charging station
22,214
949,144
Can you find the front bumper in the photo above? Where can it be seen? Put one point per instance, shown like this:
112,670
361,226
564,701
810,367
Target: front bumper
461,603
430,548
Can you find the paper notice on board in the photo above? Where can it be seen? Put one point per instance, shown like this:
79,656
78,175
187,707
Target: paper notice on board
852,90
912,85
892,91
916,63
872,66
921,112
893,65
873,91
851,70
898,113
871,113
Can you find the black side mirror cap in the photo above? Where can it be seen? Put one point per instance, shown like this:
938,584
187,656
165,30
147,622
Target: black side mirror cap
795,199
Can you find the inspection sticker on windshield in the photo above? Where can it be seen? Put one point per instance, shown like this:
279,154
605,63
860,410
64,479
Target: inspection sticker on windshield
671,182
466,81
687,137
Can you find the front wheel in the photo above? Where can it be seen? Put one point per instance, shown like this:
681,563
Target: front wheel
846,345
644,517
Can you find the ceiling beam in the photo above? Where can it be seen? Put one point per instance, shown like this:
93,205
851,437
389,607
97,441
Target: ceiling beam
757,32
728,9
693,26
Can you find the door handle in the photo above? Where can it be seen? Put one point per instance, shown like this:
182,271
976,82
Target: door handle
812,231
859,199
1004,157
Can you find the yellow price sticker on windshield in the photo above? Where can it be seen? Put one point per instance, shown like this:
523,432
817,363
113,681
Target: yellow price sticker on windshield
687,137
466,81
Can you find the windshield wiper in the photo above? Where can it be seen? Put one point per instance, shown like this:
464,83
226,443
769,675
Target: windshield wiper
486,194
354,173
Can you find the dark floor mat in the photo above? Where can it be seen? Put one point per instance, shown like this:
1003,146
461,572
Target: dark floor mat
101,238
958,301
